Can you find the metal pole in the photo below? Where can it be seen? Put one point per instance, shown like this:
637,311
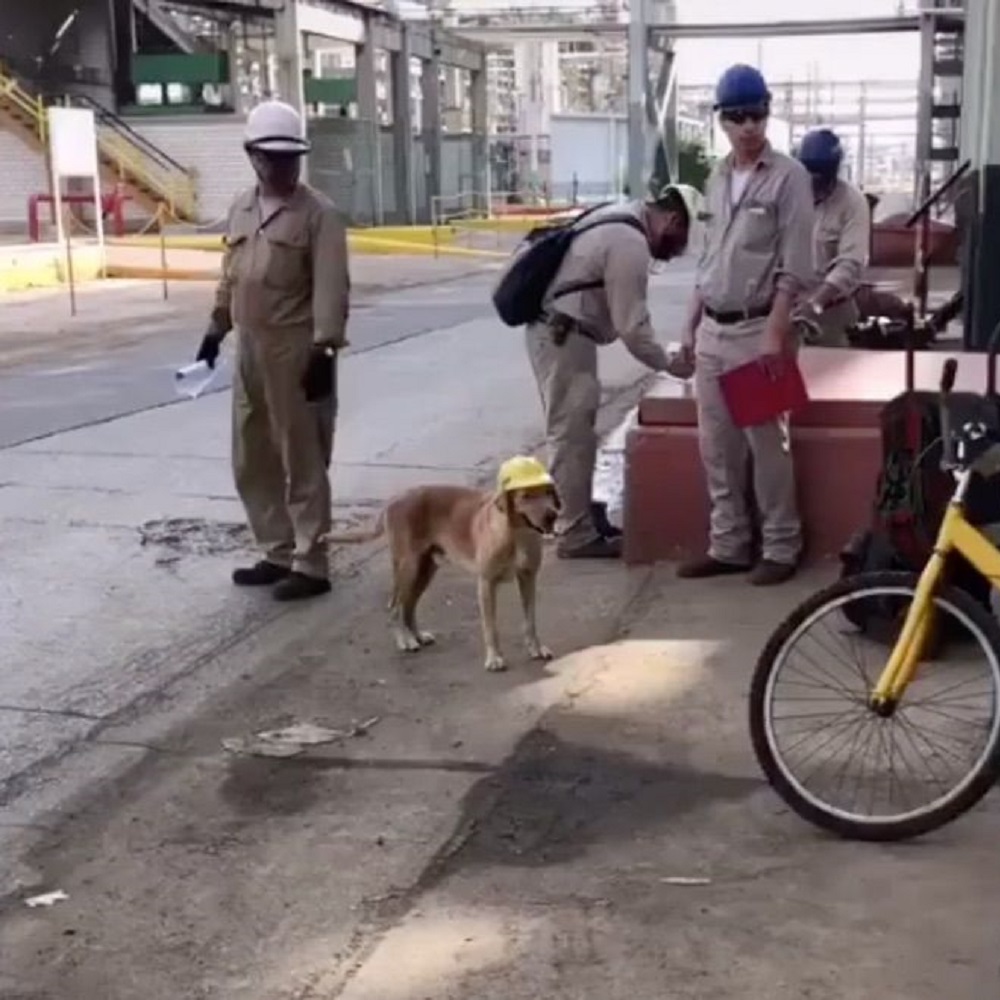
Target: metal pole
638,74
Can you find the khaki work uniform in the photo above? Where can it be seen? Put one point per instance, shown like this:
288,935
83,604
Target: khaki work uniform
841,234
565,363
285,286
760,244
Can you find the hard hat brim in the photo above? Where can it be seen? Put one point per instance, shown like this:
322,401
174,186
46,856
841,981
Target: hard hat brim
528,482
278,145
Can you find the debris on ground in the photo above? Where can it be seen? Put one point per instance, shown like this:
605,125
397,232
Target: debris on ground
685,880
46,899
195,536
293,740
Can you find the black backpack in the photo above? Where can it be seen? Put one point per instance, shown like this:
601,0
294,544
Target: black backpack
911,495
521,290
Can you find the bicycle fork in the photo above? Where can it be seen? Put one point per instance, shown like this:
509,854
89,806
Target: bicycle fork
905,657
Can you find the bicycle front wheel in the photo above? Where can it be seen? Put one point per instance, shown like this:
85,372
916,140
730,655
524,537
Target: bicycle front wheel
842,767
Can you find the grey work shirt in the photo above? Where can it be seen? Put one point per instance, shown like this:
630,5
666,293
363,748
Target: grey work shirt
763,242
618,256
841,237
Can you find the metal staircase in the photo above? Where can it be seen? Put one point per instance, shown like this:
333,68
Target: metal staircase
135,161
942,32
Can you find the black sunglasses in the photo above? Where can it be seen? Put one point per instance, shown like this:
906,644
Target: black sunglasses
741,115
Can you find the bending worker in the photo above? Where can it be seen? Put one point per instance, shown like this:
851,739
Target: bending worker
841,238
285,286
612,261
756,262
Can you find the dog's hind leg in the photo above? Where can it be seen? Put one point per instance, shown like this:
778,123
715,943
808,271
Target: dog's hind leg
526,580
413,575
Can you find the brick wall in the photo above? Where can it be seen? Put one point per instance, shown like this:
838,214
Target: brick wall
22,172
213,147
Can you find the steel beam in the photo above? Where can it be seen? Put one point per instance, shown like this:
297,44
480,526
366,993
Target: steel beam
638,82
659,32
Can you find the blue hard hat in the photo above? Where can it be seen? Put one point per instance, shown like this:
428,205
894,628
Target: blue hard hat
820,152
741,86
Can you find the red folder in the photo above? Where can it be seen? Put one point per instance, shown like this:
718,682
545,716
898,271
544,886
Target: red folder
754,397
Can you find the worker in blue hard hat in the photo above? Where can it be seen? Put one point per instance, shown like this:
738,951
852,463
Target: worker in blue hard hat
755,265
841,240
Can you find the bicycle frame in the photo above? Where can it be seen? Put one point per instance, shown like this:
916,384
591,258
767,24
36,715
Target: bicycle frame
955,535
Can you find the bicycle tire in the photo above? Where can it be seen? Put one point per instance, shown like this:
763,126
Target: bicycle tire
983,775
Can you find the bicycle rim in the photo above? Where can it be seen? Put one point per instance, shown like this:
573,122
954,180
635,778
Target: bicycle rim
939,809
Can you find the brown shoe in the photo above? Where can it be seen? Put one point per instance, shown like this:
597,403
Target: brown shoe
706,567
768,573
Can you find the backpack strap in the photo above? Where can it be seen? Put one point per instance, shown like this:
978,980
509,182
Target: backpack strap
581,286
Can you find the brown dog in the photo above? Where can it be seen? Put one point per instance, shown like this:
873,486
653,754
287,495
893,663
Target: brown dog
497,536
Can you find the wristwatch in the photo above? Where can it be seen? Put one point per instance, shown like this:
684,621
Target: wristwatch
816,309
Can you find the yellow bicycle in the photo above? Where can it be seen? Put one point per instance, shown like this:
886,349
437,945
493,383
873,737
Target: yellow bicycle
890,749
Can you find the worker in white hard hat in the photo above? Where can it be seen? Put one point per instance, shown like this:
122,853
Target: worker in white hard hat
600,294
285,286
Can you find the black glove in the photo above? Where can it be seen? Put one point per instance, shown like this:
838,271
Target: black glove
320,376
209,349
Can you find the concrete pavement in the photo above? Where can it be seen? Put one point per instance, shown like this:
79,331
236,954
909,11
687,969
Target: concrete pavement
487,836
121,534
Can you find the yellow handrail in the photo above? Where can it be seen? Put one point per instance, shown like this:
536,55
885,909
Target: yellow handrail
129,161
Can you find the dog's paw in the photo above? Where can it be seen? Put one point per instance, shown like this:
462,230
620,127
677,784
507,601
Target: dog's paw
426,638
539,651
495,663
406,642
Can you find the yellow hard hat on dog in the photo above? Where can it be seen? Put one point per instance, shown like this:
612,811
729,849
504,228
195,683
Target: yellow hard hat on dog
522,472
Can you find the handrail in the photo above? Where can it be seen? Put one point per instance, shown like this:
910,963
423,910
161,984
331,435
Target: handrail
935,196
129,153
107,116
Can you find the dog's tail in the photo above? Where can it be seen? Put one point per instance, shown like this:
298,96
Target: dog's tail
377,530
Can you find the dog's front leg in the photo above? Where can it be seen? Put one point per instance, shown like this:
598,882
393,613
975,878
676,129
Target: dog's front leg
526,579
488,617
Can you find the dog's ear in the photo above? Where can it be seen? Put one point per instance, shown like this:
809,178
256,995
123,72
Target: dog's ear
505,501
501,501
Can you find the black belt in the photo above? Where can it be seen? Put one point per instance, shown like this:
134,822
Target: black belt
737,315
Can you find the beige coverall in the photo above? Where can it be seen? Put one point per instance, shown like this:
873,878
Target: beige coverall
618,256
762,243
841,235
285,285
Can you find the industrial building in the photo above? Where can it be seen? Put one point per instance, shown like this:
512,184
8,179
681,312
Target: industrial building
396,108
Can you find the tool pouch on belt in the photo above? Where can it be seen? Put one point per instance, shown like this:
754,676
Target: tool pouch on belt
561,327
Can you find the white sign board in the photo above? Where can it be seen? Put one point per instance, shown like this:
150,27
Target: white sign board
73,142
73,153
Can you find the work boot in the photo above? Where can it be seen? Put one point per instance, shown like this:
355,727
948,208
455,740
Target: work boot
599,515
768,573
596,548
707,567
297,586
262,574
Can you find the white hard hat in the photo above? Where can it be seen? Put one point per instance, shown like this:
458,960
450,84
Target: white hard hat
690,196
275,127
694,205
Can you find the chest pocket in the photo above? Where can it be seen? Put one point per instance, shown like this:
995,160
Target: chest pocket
236,248
759,226
286,264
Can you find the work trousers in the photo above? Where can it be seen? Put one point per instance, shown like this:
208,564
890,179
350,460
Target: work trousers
726,450
566,374
281,449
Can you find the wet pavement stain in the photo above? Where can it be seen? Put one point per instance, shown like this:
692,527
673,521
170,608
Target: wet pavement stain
552,798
